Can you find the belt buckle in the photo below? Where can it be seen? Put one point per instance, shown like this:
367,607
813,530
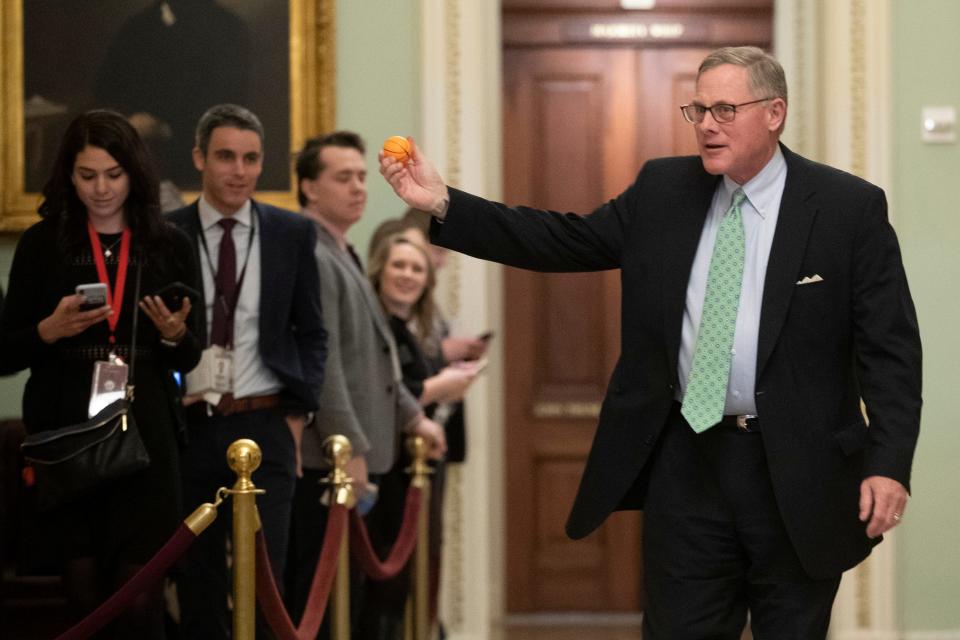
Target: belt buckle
742,423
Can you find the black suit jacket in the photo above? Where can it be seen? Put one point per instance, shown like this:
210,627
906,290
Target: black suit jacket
292,338
821,347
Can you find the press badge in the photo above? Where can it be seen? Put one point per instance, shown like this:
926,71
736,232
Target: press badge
213,374
109,383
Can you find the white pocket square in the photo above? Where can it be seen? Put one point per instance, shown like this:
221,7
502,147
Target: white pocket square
810,279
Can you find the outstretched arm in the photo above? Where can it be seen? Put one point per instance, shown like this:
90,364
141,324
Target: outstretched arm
522,237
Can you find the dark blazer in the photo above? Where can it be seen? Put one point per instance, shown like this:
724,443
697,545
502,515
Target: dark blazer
821,347
292,338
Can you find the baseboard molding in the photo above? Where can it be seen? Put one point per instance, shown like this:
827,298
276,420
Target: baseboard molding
572,619
949,634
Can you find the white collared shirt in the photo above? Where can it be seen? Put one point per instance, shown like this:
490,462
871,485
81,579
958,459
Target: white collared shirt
251,377
760,211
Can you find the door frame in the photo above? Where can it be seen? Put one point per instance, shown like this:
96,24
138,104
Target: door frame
460,54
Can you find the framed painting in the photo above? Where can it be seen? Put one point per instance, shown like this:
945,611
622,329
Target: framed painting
162,63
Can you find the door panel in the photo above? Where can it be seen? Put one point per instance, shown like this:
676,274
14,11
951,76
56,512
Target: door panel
565,116
675,72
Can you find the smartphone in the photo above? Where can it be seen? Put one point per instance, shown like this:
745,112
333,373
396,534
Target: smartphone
94,295
174,293
481,364
485,336
368,499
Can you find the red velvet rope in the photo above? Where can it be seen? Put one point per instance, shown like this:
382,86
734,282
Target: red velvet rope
363,552
268,596
142,580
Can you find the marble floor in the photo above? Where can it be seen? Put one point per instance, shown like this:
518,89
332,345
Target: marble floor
572,627
569,627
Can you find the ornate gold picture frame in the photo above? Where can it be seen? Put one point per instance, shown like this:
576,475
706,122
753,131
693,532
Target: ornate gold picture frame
310,101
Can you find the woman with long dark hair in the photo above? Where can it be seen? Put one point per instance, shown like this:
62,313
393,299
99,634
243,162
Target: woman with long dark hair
101,224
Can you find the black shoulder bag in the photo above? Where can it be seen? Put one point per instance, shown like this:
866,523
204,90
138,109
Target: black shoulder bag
71,461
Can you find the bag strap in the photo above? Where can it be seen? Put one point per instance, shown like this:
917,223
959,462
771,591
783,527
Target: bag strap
133,339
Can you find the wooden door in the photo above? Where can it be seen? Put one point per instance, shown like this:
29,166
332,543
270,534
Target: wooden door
579,121
562,112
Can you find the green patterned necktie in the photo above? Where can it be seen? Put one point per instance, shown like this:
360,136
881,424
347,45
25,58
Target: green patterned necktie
710,372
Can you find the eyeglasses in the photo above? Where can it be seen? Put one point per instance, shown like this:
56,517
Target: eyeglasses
722,113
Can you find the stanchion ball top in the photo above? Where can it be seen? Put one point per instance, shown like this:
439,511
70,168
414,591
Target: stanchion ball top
338,449
244,456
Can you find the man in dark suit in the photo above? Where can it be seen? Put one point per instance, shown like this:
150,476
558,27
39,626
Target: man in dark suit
763,297
264,327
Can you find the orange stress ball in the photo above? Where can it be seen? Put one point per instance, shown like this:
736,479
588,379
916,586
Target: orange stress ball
398,148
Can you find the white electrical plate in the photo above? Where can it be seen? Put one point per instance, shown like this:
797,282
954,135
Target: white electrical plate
938,125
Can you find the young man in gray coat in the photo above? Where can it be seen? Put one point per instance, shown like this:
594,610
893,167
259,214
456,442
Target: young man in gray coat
363,397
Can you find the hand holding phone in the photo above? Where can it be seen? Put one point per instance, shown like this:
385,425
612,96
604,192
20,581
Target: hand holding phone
94,295
463,348
472,366
173,294
75,313
168,309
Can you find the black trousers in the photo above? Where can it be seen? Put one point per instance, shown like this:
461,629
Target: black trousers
715,545
205,584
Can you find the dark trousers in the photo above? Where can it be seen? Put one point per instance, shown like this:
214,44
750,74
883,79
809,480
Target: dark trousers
204,586
715,545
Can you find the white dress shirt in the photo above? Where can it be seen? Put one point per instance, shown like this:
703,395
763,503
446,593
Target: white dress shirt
760,211
250,376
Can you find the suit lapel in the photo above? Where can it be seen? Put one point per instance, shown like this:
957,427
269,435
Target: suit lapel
679,249
786,254
269,272
352,270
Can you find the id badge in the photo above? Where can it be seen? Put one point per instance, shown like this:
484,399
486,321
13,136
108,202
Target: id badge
109,384
213,374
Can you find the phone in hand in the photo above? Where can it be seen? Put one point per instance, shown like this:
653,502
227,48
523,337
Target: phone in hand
477,366
94,295
174,293
368,499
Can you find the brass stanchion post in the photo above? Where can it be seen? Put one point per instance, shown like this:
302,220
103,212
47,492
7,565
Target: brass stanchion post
420,472
244,457
340,451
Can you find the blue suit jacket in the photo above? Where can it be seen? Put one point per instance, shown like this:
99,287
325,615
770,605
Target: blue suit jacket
292,338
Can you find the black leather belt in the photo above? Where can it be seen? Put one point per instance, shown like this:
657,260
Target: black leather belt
746,424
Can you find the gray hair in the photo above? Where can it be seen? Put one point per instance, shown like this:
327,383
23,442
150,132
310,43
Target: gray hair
225,115
764,72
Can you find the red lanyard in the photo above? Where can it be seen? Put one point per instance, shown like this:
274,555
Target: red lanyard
115,302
